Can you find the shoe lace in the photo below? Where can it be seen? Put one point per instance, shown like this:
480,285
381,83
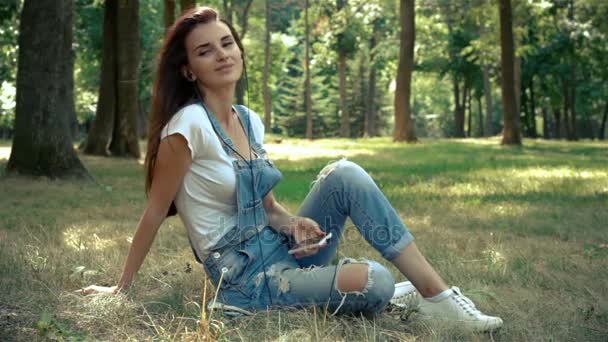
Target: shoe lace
411,299
408,299
465,303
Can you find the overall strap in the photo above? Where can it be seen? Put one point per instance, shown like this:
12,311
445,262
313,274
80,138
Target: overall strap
246,120
227,143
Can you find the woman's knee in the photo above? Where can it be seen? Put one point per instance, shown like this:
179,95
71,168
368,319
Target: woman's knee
368,278
345,171
382,282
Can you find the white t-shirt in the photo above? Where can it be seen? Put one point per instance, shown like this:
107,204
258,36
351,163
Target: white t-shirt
206,199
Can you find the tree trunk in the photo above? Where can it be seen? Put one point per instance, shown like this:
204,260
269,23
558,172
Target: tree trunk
243,19
186,5
100,133
370,110
602,133
572,82
67,91
404,125
517,85
566,96
470,117
573,133
266,90
344,117
370,117
42,145
169,12
532,118
557,115
525,119
461,115
487,91
510,133
480,118
125,140
142,122
228,10
459,108
307,90
545,111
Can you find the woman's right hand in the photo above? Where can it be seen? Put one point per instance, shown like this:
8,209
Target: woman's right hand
96,289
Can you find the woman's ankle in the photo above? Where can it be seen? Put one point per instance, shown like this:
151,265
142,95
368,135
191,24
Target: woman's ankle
438,297
432,291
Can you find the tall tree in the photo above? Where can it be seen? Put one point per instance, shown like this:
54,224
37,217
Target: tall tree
571,92
169,13
510,133
186,5
602,130
101,129
67,93
307,87
266,74
115,125
345,45
404,125
480,117
169,10
487,86
241,9
42,144
487,92
370,108
124,137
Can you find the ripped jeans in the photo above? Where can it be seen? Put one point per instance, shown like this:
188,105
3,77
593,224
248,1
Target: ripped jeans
259,274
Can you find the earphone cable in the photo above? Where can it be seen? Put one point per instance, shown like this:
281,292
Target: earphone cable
253,188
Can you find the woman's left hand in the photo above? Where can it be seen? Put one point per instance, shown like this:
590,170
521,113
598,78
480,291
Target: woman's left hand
302,229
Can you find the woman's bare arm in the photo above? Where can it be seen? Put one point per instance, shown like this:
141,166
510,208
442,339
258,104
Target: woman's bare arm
301,228
172,163
278,217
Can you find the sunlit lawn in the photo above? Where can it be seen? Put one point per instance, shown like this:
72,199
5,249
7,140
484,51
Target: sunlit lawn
523,231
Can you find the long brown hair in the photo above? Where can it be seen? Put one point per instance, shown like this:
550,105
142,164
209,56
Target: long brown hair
171,89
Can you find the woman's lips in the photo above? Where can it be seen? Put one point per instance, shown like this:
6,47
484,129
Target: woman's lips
224,67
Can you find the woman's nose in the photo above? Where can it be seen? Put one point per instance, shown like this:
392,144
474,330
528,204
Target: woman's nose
221,54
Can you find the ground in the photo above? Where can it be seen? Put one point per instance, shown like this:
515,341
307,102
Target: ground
522,231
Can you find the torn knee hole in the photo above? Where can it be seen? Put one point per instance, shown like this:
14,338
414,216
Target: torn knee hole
353,277
327,170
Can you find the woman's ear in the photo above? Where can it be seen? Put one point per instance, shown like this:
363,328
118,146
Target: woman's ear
188,74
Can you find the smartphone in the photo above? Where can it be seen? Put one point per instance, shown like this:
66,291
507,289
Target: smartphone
310,243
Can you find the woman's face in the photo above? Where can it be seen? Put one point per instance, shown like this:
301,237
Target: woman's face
214,58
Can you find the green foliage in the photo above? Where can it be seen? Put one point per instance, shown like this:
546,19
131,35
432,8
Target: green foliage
7,106
289,102
454,40
9,31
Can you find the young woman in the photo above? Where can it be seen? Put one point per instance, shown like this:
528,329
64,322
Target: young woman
205,160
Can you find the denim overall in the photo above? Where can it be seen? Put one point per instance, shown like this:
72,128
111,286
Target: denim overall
251,264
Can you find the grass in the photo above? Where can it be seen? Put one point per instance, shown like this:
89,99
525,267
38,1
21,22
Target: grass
523,231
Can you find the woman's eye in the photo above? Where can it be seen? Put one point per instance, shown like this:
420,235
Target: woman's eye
202,53
229,43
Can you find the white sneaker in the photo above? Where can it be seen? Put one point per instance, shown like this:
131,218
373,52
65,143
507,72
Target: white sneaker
458,308
406,296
